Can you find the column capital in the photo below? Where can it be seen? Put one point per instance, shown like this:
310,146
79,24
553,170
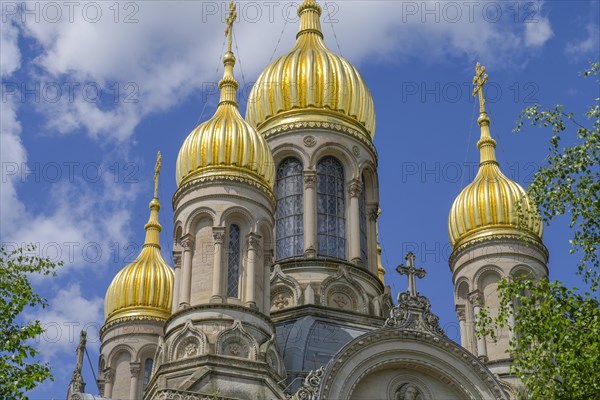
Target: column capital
187,242
134,368
109,375
373,212
461,312
177,259
253,240
355,188
218,234
310,179
476,297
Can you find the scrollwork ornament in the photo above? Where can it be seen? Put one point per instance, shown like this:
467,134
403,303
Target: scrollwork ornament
310,387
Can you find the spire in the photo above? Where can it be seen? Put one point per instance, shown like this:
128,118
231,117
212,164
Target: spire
153,227
309,12
77,385
228,84
486,144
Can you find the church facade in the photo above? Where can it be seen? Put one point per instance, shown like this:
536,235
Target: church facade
277,289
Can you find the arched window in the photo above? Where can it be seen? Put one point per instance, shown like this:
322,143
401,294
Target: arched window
331,220
362,208
147,372
289,225
233,261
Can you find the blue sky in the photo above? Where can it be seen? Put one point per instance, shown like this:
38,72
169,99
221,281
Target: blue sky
91,93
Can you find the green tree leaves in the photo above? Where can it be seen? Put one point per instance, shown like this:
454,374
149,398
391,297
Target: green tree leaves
18,372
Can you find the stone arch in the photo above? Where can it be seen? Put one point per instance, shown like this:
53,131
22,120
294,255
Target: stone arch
384,359
521,271
117,350
346,289
236,342
340,152
484,272
178,233
462,290
198,214
286,150
189,342
369,174
270,351
146,351
240,215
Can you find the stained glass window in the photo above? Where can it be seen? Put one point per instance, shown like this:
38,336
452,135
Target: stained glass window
233,261
147,372
289,225
331,211
362,208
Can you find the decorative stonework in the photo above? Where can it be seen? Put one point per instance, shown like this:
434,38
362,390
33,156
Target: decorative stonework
309,141
285,290
409,391
219,236
363,137
311,386
189,342
134,369
236,342
373,214
310,179
412,312
355,151
347,292
355,188
280,301
187,242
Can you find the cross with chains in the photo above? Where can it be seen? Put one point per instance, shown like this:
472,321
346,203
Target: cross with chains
479,80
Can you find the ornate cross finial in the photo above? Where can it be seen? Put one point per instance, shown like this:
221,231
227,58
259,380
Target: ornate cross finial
156,173
479,80
230,20
412,272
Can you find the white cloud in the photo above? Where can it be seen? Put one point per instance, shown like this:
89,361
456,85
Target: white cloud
68,312
590,46
538,33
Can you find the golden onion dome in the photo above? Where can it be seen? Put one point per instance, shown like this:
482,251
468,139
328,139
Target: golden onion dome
226,146
489,206
311,84
144,288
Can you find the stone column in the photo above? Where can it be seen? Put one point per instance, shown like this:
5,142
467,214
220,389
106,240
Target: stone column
177,281
310,214
134,368
372,239
477,301
462,322
187,242
217,285
109,377
354,191
252,260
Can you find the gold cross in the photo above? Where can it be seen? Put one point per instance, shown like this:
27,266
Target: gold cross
412,272
479,80
156,173
230,20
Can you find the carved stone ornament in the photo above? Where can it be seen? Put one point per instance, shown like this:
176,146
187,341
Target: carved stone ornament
281,301
310,180
409,391
310,387
412,312
218,236
309,141
355,151
187,242
355,188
